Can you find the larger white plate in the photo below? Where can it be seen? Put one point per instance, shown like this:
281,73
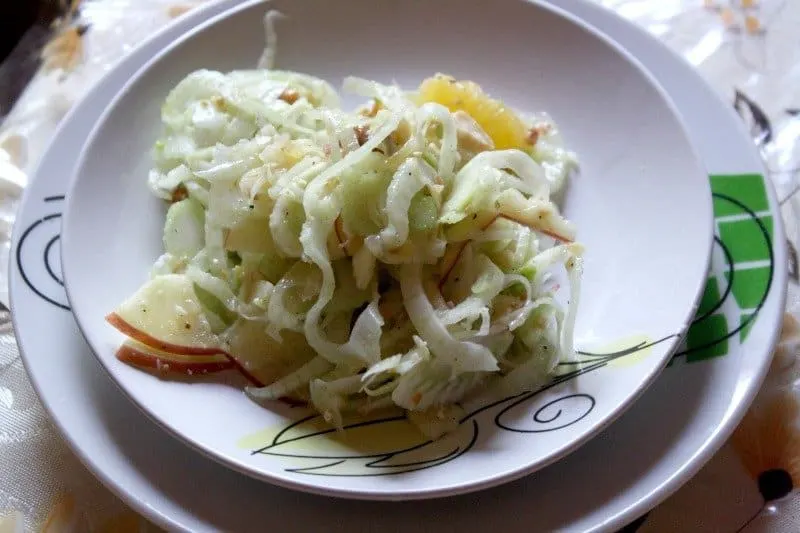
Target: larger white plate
643,457
641,203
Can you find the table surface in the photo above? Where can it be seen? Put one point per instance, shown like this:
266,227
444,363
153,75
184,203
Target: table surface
748,50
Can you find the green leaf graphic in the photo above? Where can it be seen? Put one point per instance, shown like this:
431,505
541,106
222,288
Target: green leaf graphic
737,289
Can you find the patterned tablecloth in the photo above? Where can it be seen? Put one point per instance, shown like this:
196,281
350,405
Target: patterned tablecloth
749,50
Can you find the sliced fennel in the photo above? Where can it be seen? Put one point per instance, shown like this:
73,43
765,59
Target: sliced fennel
355,260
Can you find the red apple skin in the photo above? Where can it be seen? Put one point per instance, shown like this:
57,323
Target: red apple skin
452,264
554,235
126,329
148,340
243,371
138,357
132,355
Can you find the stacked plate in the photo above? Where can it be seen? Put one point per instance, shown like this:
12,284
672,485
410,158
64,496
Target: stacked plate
683,283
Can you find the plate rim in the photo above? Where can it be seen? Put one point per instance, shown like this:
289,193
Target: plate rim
282,477
689,464
733,416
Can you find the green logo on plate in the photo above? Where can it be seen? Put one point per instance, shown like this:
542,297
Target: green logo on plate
742,267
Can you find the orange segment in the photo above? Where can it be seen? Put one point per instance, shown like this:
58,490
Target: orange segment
501,124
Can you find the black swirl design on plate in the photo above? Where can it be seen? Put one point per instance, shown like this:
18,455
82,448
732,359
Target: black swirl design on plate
510,414
408,459
552,416
39,246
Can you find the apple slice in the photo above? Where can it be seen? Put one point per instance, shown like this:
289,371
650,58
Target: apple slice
165,314
261,358
141,355
252,235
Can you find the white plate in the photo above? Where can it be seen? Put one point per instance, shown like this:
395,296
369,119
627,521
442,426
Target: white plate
641,204
649,452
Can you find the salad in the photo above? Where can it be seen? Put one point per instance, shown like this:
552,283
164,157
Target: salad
407,254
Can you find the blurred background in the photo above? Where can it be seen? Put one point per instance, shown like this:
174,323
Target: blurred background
25,27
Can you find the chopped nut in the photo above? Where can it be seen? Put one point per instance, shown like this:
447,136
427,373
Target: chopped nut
362,134
219,103
180,193
289,96
537,131
372,110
